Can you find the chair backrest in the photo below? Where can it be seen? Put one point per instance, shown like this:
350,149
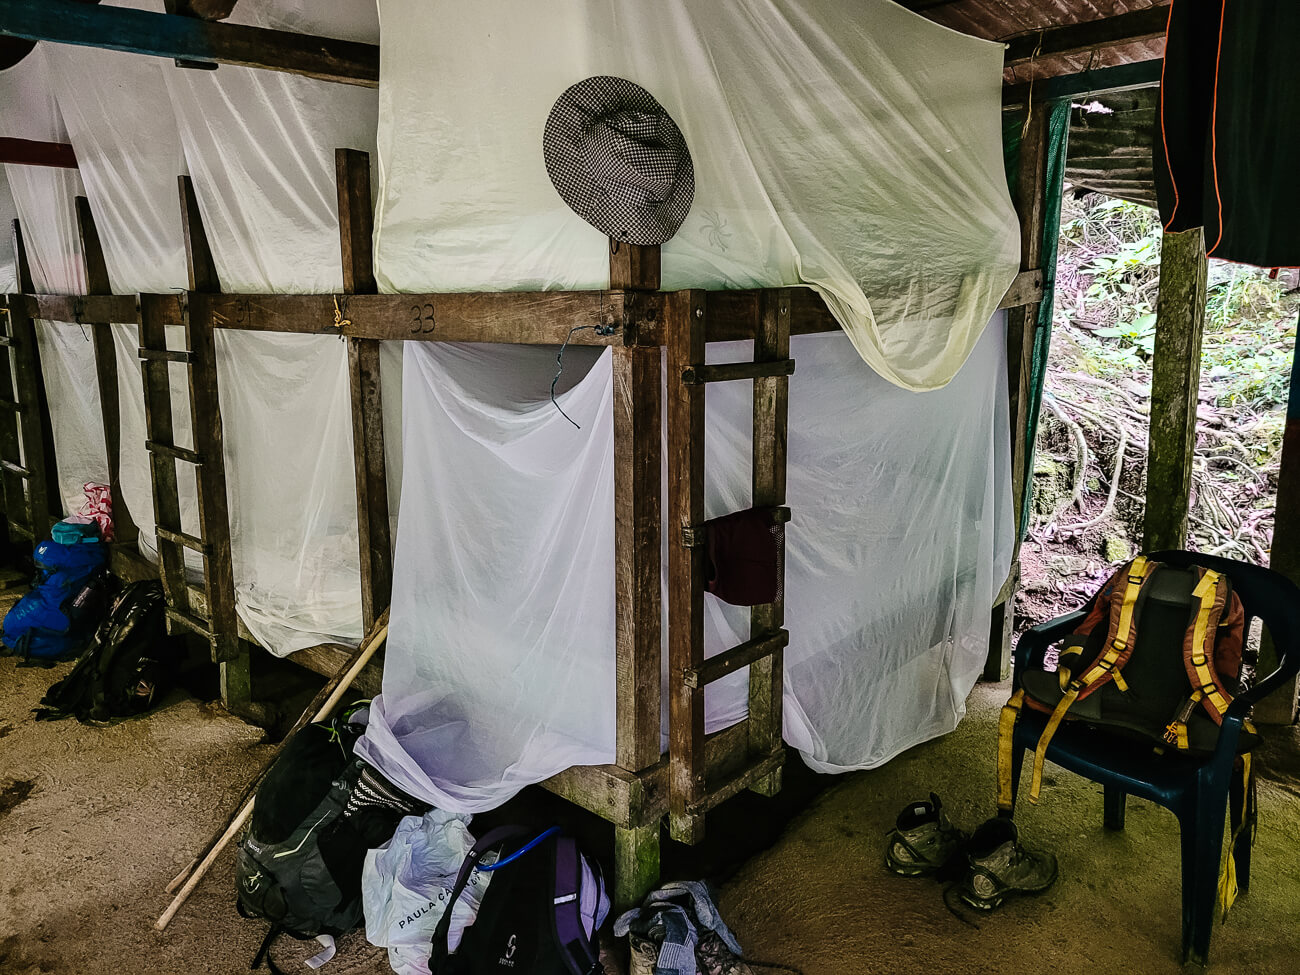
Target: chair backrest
1265,595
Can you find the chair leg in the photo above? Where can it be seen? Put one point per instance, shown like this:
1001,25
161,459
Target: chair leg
1202,845
1113,806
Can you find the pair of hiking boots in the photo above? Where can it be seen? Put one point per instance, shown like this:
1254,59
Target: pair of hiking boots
991,863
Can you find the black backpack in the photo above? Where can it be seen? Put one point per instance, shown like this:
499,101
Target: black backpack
315,815
130,663
530,919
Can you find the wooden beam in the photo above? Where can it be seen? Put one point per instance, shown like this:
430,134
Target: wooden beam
26,152
22,266
199,264
1022,327
356,230
1175,384
1091,35
685,322
1122,77
89,309
1284,554
97,282
190,39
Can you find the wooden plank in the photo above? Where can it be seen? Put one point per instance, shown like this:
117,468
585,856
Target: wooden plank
636,865
1091,35
539,317
1022,326
90,309
171,450
685,323
22,266
1175,384
190,39
751,777
214,514
200,266
154,319
1123,77
97,282
1284,553
771,425
356,230
637,539
632,266
1026,289
28,152
12,487
742,655
44,500
734,371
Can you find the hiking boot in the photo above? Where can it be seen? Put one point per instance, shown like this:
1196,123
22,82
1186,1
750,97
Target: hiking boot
643,954
713,957
1001,867
923,840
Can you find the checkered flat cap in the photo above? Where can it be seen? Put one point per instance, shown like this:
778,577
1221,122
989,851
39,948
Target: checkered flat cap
619,161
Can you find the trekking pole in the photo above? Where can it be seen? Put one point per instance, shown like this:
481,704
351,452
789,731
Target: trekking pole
308,714
341,682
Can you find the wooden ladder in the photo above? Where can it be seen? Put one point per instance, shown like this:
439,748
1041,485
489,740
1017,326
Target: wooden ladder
696,783
215,619
27,479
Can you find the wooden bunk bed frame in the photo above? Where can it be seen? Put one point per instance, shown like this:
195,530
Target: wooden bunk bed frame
643,786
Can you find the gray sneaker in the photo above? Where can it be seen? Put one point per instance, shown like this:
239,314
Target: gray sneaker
922,840
1000,866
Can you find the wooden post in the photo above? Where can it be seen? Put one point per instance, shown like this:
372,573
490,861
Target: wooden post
97,283
684,327
1022,325
1175,384
638,459
1284,555
771,400
356,232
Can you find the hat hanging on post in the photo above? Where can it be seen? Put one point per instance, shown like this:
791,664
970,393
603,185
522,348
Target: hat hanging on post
619,161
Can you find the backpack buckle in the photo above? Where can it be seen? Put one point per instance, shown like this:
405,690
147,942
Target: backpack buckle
1118,645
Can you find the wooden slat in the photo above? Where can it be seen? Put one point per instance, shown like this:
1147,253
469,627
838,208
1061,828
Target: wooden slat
166,355
742,655
637,533
184,540
22,266
540,317
154,319
171,450
633,267
28,152
200,267
733,371
1026,289
356,230
12,488
771,425
1092,35
189,39
97,283
214,514
1123,77
685,323
190,622
44,500
1022,323
750,777
1175,384
15,468
90,309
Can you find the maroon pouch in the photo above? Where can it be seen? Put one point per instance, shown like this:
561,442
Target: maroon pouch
745,557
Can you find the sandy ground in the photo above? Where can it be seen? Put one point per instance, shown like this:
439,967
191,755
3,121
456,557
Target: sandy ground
94,821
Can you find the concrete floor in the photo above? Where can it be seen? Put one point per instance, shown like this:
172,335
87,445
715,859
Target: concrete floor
95,821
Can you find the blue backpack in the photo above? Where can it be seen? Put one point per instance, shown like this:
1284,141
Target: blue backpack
56,619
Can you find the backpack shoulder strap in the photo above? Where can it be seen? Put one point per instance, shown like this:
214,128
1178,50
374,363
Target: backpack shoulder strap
491,839
576,949
1211,596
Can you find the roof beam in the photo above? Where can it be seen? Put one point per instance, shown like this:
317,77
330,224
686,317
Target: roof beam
1139,25
26,152
190,39
1122,77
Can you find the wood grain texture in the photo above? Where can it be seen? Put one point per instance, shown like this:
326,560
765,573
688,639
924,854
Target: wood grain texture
91,309
633,267
28,152
1175,384
356,231
97,283
685,322
1089,35
638,509
200,266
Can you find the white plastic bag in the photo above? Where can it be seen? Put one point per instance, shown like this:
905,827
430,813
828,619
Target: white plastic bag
405,885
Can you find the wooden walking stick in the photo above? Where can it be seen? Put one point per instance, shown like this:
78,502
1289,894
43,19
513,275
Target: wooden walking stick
332,692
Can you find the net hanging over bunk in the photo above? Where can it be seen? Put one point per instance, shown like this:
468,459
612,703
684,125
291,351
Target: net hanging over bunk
853,147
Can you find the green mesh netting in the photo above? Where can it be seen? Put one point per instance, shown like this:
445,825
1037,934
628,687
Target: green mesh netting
1058,132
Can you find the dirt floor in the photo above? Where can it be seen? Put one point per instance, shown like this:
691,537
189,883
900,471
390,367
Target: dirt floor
94,821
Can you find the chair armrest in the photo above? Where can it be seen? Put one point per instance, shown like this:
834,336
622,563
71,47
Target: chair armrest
1034,642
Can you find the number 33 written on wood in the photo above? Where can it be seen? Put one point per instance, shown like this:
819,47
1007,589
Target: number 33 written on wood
423,321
